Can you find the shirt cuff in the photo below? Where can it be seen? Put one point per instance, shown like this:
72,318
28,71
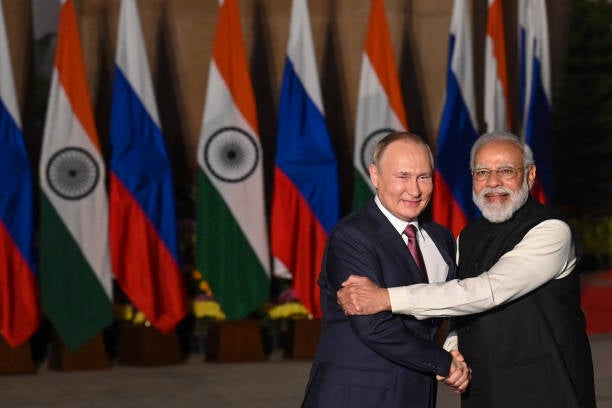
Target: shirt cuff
451,342
399,300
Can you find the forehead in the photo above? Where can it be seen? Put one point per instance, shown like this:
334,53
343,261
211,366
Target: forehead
499,151
404,149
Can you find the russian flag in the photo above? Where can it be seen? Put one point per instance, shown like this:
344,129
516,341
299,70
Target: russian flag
496,107
305,203
380,107
452,200
19,301
535,93
143,232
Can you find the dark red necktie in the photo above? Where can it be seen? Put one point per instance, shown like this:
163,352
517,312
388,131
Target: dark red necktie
415,251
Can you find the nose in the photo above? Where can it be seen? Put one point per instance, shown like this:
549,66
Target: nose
493,179
413,188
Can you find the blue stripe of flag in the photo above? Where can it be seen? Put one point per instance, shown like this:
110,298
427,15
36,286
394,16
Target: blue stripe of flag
522,72
304,150
16,201
455,139
140,161
538,131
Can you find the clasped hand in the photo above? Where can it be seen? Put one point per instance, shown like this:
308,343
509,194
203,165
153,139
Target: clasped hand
460,374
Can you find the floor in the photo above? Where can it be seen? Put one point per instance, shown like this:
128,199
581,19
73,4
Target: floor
275,383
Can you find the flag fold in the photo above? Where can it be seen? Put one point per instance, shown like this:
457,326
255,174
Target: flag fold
143,230
75,273
535,93
19,297
452,200
232,249
305,203
380,106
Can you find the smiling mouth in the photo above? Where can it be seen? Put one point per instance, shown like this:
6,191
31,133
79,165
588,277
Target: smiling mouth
496,197
411,202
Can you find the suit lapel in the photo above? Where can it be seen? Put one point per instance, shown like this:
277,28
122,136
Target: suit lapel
389,237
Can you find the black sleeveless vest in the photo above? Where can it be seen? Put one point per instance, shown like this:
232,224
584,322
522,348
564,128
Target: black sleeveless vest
533,351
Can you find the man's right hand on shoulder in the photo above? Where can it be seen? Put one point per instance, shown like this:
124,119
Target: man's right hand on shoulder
360,296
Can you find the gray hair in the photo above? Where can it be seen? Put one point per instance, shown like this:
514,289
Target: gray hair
502,136
383,143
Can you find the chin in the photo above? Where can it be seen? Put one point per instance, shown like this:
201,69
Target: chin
501,211
497,213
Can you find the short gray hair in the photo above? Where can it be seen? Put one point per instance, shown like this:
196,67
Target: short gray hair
383,143
502,136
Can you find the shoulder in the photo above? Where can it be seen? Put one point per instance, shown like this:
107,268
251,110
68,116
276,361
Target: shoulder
551,227
433,228
361,221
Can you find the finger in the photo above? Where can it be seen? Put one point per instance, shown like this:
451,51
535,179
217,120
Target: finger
457,355
463,386
351,279
457,377
355,280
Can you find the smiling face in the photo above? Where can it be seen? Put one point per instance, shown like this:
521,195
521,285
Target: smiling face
497,198
403,179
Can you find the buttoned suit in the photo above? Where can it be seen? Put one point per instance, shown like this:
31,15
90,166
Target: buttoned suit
381,360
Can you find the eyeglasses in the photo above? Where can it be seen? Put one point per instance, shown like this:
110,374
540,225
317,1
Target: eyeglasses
503,173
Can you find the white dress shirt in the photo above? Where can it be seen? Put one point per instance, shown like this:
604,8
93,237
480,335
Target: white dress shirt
546,252
437,269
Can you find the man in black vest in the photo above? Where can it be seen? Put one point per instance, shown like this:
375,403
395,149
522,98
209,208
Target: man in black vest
517,303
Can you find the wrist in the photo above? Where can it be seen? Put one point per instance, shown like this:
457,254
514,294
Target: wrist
387,298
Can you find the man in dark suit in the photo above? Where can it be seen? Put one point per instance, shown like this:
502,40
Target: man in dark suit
385,359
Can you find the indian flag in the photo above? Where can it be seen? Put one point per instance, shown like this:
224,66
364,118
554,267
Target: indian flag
74,251
232,240
496,106
380,108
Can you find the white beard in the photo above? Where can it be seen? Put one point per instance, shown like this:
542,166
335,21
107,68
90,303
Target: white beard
501,212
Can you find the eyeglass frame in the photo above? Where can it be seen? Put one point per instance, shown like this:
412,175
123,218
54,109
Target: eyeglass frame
513,174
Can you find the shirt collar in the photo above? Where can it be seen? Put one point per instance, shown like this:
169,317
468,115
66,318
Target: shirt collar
399,225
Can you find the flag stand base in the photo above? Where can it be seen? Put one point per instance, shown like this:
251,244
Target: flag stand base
141,345
302,338
91,356
16,360
234,341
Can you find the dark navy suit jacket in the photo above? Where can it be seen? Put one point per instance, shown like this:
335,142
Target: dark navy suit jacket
382,360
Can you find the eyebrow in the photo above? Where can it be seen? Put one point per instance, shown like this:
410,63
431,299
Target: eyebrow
481,166
407,173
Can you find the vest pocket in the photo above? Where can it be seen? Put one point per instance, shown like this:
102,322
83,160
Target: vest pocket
527,384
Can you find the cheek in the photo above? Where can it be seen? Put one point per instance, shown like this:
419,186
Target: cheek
426,188
514,185
391,187
478,186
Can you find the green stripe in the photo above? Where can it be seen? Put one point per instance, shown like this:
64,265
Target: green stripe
361,191
225,257
72,297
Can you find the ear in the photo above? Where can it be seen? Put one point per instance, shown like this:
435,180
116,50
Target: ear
374,175
531,175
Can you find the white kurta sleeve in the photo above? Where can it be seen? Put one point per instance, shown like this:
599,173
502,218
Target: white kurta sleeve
546,252
451,342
